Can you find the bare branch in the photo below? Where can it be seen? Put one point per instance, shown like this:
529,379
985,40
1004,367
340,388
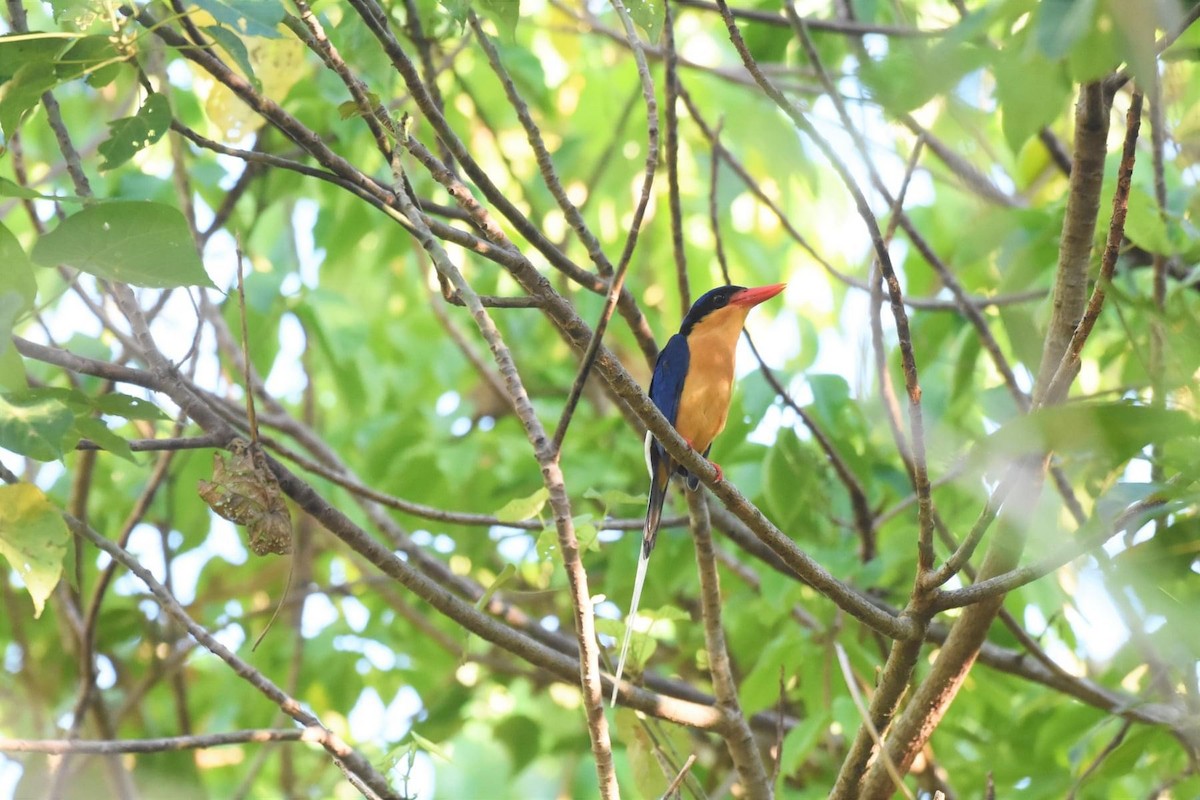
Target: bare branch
348,760
163,745
742,747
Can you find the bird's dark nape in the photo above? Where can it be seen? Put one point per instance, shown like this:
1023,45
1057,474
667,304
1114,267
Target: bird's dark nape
707,303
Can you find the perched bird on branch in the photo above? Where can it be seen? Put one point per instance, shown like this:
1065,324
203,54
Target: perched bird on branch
691,386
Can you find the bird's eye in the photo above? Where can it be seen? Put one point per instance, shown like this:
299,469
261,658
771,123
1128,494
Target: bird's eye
721,300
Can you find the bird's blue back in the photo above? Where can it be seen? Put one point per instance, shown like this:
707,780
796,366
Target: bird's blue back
670,371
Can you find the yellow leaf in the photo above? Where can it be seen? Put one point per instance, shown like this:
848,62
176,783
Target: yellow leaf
278,64
33,537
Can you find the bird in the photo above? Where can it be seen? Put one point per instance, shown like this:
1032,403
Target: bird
691,386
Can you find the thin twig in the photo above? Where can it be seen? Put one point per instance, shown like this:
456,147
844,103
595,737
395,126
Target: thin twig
671,120
847,27
251,417
165,744
618,279
673,786
1108,750
547,457
347,759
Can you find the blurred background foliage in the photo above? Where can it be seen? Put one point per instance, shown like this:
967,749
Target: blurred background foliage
348,328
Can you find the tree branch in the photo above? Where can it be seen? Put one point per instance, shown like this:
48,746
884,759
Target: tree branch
742,747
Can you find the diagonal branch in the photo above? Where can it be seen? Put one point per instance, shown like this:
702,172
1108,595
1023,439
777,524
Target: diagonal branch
356,767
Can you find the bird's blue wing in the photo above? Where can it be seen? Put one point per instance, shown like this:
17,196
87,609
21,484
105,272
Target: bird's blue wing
666,387
670,371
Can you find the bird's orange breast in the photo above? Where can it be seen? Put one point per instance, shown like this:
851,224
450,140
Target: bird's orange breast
704,404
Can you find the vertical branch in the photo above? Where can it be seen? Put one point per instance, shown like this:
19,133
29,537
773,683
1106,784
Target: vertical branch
671,119
552,477
1079,228
618,280
740,741
932,698
1060,380
902,658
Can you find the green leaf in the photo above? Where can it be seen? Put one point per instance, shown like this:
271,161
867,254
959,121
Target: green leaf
504,577
649,15
519,734
247,17
643,750
505,13
1152,231
760,688
914,71
586,536
1098,53
615,497
639,751
22,49
522,508
457,10
236,48
18,289
431,747
831,394
1117,431
34,426
113,403
22,93
1059,24
33,537
123,405
98,432
128,135
350,108
547,545
528,73
1135,22
141,243
801,740
1032,92
93,56
12,370
10,189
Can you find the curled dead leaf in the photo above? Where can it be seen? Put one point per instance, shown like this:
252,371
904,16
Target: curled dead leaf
244,491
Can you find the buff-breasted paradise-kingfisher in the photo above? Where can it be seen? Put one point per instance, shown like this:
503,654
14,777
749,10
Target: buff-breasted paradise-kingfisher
692,384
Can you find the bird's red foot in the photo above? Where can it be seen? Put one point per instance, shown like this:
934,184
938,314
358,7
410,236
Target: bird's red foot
713,464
